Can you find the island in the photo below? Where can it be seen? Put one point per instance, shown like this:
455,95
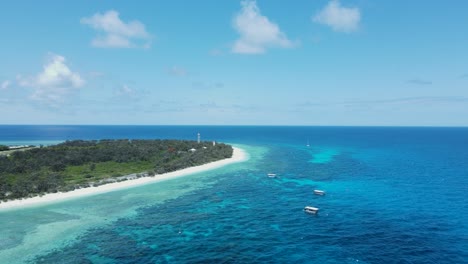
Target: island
81,164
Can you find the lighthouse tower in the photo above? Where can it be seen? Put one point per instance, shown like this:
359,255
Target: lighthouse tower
198,137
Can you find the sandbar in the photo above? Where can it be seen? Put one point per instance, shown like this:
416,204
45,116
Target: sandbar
238,155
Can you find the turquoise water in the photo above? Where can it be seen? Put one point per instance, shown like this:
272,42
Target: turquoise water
394,195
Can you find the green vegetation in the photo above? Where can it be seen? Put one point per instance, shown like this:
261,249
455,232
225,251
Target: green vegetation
6,150
76,164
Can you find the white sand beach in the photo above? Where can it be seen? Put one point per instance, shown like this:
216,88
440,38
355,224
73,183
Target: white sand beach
239,155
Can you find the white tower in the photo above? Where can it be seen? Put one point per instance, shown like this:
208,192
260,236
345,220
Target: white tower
198,137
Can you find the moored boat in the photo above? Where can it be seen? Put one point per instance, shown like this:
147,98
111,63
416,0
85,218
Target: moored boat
311,209
319,192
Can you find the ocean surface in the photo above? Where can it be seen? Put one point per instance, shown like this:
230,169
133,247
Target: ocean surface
394,195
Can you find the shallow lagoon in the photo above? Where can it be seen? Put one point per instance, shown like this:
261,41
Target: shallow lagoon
394,195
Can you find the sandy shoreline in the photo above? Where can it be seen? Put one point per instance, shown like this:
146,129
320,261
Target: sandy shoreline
239,155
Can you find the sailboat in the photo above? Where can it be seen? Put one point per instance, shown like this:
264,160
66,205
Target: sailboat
308,145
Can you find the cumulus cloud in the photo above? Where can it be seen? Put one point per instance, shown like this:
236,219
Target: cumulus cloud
256,31
5,85
115,33
339,18
54,83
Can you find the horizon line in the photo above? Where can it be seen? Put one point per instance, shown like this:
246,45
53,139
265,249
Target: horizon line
241,125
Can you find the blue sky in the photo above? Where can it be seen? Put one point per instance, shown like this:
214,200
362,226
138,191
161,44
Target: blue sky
211,62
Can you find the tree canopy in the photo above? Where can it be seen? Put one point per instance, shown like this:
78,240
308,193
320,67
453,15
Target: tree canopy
79,163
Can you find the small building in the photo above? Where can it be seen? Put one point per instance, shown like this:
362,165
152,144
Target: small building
192,150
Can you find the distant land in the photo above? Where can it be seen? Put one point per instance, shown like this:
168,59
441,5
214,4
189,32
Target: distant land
31,171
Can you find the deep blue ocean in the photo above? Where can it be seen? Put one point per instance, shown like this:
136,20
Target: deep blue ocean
394,195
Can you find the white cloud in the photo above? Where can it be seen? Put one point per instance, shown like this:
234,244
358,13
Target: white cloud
56,73
5,85
339,18
256,31
54,83
178,71
126,91
115,32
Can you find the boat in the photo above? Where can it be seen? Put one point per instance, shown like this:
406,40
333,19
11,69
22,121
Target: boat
311,210
271,175
319,192
308,145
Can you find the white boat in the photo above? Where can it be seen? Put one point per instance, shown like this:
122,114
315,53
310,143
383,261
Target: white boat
319,192
271,175
308,145
311,210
